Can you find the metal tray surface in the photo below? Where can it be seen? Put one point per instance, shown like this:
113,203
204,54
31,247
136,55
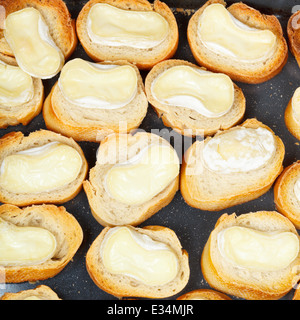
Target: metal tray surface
266,102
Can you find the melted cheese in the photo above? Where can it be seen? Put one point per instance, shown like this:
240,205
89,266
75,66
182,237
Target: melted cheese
239,150
127,252
220,32
93,85
210,94
144,176
111,26
41,169
28,36
253,249
20,246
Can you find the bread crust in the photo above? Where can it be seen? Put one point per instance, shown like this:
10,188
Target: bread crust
214,203
251,285
168,114
204,294
283,193
252,18
56,120
57,16
57,220
42,292
126,286
14,142
135,56
135,215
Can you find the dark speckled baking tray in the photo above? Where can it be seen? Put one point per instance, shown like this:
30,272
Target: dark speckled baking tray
265,101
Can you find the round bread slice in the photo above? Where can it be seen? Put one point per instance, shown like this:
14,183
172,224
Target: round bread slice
249,283
23,113
285,193
41,292
94,124
115,150
291,115
122,285
60,223
211,190
188,121
204,294
293,32
254,72
15,142
144,58
57,16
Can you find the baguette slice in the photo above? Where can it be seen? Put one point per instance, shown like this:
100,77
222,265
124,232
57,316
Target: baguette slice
187,121
114,150
85,124
143,58
291,117
211,190
248,72
204,294
41,292
293,33
57,17
24,113
15,142
285,196
247,283
60,223
121,285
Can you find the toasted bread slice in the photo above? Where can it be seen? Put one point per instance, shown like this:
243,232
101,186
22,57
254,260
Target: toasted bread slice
285,193
144,58
57,17
244,70
15,142
122,151
60,223
293,32
25,112
204,294
291,115
186,120
209,187
125,285
252,282
94,124
41,292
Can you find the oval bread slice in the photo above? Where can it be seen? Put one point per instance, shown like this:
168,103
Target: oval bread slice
88,124
244,282
23,113
204,294
57,17
109,211
121,285
285,197
209,190
15,142
254,72
143,58
41,292
60,223
187,121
